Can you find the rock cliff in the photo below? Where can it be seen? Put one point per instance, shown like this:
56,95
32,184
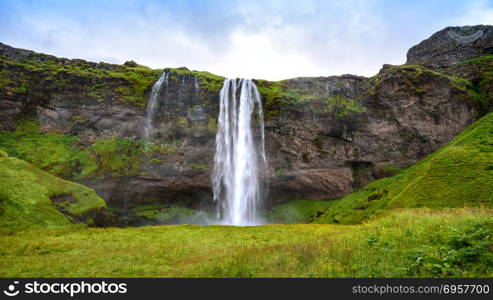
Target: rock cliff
325,136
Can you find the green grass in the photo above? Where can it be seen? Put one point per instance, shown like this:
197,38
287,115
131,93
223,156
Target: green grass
447,243
459,174
26,195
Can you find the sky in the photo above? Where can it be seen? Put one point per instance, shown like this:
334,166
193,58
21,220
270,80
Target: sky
264,39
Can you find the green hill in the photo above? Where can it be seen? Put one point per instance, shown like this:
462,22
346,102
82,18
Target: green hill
458,175
33,199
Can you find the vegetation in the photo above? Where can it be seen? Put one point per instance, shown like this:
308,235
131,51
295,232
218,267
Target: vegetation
39,73
297,211
54,153
63,156
405,243
482,69
209,84
33,199
460,174
279,97
169,214
273,96
418,78
116,157
342,107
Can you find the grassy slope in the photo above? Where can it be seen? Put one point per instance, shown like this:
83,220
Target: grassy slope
405,243
460,174
25,201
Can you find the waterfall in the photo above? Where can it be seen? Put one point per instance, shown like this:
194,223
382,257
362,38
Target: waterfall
153,104
196,87
239,160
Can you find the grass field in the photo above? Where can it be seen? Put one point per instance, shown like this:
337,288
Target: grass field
403,243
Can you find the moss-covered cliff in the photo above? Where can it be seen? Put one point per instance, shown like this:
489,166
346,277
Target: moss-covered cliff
325,136
33,199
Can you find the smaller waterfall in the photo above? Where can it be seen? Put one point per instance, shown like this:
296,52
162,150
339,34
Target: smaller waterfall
152,105
196,85
239,160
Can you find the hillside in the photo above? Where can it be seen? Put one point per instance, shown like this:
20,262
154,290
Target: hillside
33,199
458,175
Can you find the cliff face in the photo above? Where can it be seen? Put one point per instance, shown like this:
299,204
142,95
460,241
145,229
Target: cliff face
452,45
325,136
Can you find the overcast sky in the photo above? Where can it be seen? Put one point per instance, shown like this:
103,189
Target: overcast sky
253,39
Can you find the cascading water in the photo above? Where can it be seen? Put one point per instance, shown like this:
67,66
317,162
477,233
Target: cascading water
239,161
153,104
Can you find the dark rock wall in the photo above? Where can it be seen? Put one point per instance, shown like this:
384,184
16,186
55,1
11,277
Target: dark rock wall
452,45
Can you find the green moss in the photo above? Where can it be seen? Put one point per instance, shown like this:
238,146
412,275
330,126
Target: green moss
209,84
201,167
62,156
278,98
297,211
342,107
482,68
481,60
54,153
212,125
98,81
460,174
117,157
168,214
26,198
280,172
272,94
418,77
166,146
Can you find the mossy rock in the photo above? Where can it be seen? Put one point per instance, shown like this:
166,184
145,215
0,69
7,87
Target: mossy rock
33,199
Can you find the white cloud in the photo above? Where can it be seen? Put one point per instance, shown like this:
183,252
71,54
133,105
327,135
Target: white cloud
256,39
479,12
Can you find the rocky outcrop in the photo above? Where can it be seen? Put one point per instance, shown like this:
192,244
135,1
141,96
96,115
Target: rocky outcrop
452,45
325,136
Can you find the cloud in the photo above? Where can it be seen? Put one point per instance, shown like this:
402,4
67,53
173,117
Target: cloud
479,12
269,39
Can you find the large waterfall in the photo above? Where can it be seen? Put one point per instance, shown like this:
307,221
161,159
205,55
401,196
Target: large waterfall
153,104
240,154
